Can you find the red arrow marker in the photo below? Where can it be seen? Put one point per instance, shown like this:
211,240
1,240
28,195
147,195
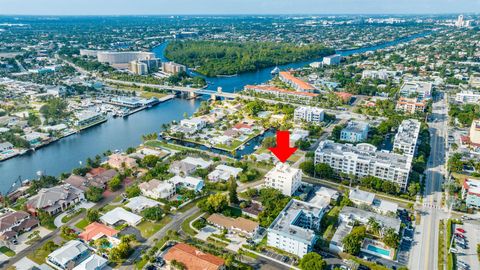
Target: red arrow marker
283,150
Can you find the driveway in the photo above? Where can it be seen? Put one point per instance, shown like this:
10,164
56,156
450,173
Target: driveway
206,231
469,255
237,242
23,238
25,264
58,220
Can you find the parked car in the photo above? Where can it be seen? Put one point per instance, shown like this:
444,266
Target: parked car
459,235
460,230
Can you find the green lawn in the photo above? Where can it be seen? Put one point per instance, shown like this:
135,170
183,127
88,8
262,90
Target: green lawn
38,256
148,228
67,218
186,224
161,144
82,224
5,250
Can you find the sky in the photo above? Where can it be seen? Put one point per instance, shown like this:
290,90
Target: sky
174,7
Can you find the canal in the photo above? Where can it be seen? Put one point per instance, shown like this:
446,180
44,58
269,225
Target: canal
121,133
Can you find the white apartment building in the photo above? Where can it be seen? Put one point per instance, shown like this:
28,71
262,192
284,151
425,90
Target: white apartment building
378,74
355,131
468,96
284,178
308,114
406,138
332,59
294,228
363,160
421,90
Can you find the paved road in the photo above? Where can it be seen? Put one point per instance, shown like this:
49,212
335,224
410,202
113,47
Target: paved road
175,224
425,246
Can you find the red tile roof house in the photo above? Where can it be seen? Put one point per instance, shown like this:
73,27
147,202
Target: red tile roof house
192,258
13,224
55,199
97,230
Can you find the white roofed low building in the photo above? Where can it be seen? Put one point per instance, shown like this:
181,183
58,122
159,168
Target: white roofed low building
188,182
139,203
158,189
118,215
224,173
69,255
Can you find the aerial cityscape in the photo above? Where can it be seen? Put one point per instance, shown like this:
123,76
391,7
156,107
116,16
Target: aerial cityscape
203,136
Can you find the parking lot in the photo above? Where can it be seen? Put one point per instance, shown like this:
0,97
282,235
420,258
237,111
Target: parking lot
468,255
278,257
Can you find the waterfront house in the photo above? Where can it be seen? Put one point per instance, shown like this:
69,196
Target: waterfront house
121,162
14,223
55,199
6,146
69,255
77,181
99,177
36,138
192,258
237,225
158,189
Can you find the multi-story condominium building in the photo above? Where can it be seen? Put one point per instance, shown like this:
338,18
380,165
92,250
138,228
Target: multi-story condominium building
284,178
378,74
332,59
405,141
294,228
471,192
467,96
173,68
279,92
411,105
355,131
295,82
475,132
85,118
122,57
363,160
421,90
138,67
308,114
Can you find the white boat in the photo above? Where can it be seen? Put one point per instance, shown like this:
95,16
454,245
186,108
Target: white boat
275,71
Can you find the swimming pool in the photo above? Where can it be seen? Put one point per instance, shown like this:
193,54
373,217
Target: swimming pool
378,250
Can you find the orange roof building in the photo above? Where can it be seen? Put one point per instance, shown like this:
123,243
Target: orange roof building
295,82
95,231
279,92
344,96
193,258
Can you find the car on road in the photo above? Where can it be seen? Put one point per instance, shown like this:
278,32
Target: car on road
461,230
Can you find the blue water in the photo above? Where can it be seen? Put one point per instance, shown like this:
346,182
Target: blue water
66,154
378,250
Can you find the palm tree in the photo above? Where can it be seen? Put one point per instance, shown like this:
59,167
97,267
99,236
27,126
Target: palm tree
373,225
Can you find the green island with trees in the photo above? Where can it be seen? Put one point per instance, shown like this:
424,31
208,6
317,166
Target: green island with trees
213,58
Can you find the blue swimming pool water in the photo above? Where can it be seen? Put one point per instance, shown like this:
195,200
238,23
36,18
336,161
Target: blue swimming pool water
378,250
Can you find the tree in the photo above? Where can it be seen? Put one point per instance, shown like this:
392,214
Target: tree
93,215
373,226
214,203
323,170
353,241
133,191
391,238
94,194
115,183
312,261
150,161
153,213
307,167
232,191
